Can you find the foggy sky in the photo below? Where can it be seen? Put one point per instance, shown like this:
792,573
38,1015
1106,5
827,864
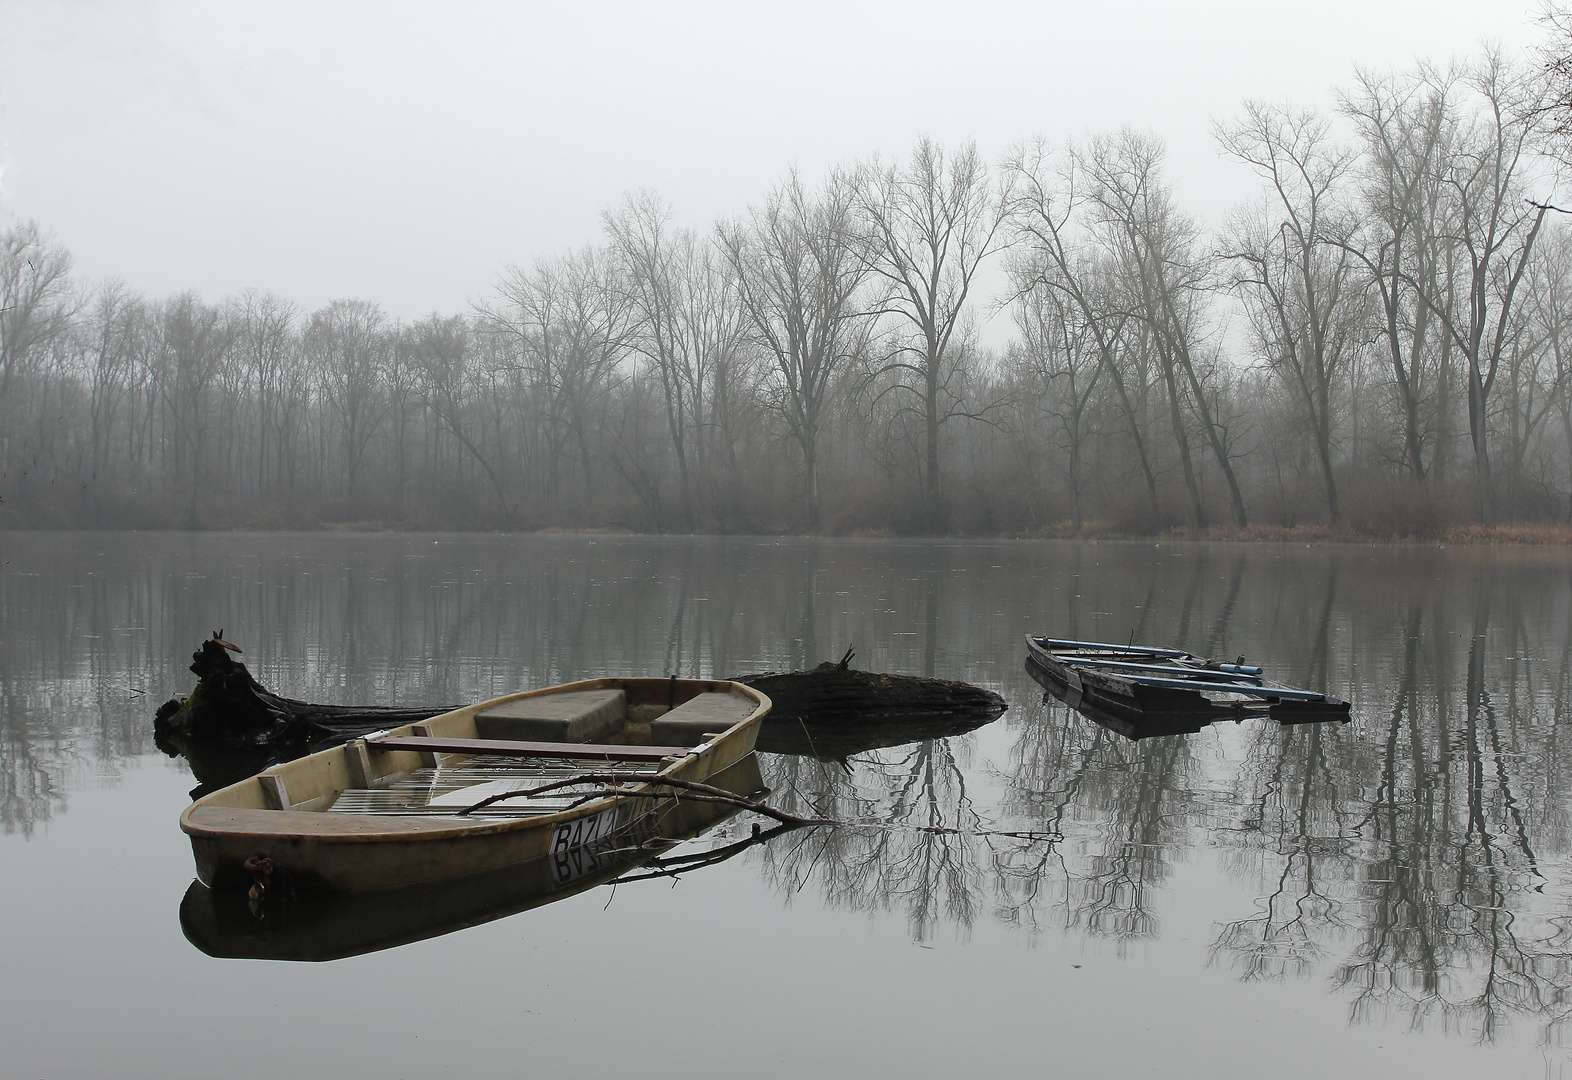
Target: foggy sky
403,153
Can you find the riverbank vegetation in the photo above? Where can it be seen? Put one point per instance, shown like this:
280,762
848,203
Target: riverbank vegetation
1378,347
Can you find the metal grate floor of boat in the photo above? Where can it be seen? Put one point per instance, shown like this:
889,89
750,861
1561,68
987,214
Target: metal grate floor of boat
411,792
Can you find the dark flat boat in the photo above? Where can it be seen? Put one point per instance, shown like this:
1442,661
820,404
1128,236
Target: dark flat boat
1140,690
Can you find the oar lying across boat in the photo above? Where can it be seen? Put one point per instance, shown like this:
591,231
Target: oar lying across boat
389,810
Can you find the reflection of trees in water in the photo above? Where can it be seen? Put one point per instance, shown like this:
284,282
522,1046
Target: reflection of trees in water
914,849
1143,810
1104,815
70,669
1122,809
28,792
1291,836
1416,850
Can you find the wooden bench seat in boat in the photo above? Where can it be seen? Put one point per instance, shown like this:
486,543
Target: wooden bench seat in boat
707,713
576,717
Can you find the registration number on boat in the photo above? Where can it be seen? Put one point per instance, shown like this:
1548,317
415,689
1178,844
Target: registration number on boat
578,846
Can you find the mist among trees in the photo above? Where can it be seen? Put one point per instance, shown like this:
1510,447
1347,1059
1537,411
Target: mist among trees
1381,342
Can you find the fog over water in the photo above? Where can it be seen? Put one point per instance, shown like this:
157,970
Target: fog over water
1389,894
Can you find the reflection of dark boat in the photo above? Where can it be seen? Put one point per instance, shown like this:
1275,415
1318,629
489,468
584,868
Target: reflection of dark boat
419,803
328,926
1140,690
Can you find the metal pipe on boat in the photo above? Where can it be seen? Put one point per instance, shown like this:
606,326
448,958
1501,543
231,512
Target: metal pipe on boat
1160,669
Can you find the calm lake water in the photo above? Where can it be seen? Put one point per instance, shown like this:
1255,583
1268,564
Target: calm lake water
1390,897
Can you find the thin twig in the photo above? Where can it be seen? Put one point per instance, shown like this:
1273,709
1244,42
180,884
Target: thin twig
608,789
681,864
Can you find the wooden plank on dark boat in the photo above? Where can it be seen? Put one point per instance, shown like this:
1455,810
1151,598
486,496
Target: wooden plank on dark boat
1157,669
507,748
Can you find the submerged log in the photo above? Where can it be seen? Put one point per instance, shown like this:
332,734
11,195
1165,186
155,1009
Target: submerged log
231,726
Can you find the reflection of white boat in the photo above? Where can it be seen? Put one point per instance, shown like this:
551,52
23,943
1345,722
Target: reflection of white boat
399,808
1144,684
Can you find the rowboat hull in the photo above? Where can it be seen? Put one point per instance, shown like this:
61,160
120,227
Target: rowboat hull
330,926
278,829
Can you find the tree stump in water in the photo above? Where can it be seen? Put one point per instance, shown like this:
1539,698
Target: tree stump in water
831,712
230,726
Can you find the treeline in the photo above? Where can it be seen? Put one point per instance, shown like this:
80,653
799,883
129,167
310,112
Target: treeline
1376,343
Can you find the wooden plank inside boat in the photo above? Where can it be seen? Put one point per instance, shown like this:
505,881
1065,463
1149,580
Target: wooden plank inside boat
433,744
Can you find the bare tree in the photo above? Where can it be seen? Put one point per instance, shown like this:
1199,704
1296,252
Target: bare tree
1294,269
1553,316
1166,282
1494,226
1408,125
725,366
111,325
1538,362
653,261
930,225
1046,205
36,302
798,267
441,352
1555,66
347,342
1060,346
571,325
265,340
194,340
690,329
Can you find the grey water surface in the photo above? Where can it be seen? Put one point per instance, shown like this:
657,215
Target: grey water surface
1390,897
